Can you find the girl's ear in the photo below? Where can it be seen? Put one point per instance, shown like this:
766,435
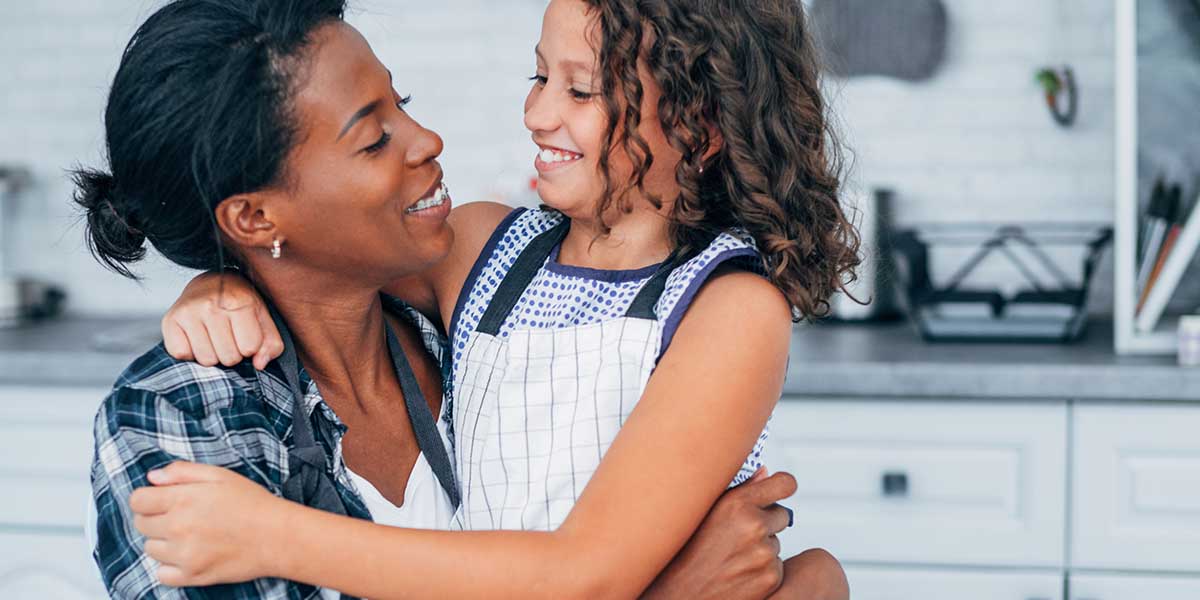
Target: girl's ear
716,142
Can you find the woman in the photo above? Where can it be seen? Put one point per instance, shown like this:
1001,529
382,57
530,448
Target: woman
266,135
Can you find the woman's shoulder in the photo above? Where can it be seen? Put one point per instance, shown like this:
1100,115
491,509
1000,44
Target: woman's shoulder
187,387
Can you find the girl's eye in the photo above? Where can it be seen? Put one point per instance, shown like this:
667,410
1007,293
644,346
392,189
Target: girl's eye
540,80
581,96
401,103
377,146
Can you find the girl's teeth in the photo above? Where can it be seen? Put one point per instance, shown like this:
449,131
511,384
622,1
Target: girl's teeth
551,156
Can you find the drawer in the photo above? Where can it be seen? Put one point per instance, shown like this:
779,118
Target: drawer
1122,587
39,567
951,483
1136,488
880,583
45,454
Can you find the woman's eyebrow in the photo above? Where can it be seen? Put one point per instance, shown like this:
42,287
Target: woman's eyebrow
358,116
363,112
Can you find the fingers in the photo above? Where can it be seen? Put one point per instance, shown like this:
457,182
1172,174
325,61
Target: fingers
774,544
198,340
220,331
154,527
758,475
272,343
182,471
247,332
151,501
777,518
772,489
175,340
169,575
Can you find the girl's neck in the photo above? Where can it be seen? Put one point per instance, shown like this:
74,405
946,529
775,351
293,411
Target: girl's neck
635,240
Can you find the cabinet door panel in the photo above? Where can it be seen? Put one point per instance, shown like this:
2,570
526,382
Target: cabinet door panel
45,454
932,482
44,567
878,583
1137,488
1114,587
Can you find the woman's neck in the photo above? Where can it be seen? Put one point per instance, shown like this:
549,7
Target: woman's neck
338,331
638,239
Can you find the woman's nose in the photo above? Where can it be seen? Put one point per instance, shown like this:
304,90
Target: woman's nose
425,147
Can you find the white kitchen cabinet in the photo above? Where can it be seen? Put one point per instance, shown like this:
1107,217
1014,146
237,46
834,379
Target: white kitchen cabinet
952,483
47,567
1129,587
45,458
884,583
1136,489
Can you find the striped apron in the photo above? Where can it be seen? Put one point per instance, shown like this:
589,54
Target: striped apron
536,411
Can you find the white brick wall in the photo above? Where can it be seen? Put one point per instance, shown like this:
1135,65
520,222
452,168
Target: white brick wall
973,143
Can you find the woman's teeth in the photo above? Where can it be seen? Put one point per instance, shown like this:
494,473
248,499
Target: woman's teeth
555,156
438,198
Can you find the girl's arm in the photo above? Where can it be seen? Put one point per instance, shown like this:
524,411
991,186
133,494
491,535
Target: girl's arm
220,318
699,417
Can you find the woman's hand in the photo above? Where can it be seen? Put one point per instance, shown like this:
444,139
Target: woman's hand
735,552
206,524
221,319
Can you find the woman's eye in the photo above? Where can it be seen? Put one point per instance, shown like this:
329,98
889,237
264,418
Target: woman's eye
401,103
540,80
581,96
377,146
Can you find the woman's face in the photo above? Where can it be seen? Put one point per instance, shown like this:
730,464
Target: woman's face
565,113
363,186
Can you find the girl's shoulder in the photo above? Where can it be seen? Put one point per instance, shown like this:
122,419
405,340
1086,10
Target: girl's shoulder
733,250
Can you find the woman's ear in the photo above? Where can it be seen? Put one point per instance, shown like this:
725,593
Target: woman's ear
245,220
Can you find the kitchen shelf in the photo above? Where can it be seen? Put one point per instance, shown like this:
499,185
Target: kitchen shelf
1127,338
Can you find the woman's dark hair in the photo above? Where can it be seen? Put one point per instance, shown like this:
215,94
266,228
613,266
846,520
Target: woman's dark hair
199,111
746,70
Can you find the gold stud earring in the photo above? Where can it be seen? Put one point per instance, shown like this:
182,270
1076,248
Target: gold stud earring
276,249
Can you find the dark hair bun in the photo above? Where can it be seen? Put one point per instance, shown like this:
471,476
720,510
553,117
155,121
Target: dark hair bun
113,234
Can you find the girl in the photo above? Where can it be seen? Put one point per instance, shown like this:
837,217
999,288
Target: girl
616,354
267,134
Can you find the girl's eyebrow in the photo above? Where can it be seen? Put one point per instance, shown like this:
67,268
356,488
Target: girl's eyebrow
570,65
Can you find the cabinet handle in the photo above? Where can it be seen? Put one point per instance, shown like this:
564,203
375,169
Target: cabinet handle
895,484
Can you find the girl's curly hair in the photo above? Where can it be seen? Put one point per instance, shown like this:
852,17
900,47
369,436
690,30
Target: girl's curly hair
746,71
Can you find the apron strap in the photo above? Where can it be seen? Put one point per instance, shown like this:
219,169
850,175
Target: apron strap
643,304
308,481
520,276
423,422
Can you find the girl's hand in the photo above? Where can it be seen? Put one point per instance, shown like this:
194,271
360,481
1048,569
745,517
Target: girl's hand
206,524
221,319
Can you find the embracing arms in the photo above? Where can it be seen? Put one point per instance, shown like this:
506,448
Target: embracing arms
697,420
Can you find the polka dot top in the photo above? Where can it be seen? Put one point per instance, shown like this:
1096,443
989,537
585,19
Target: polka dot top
568,296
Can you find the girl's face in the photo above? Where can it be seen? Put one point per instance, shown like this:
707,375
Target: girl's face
363,192
565,113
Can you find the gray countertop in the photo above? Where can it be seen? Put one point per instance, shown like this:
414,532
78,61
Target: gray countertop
885,361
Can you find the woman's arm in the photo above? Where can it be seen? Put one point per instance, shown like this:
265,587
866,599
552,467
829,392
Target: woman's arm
699,417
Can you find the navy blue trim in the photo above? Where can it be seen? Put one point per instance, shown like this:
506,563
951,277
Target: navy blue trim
672,322
605,275
484,256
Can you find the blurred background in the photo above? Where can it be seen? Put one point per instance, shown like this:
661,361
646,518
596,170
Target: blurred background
1014,415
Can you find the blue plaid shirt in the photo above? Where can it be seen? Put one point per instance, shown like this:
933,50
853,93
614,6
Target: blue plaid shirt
162,410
